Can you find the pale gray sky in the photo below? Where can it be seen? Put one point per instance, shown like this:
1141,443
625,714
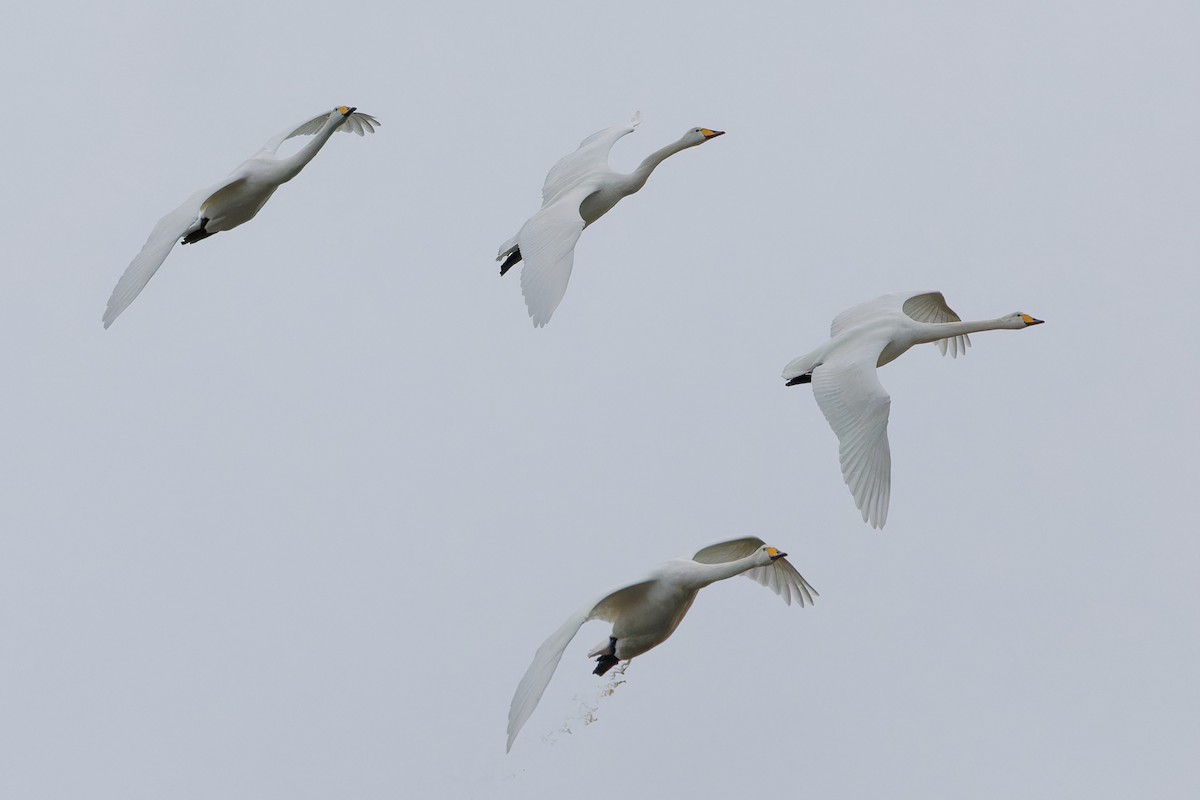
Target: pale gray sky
295,525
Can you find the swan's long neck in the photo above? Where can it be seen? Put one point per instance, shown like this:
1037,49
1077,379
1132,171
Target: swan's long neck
945,330
637,178
291,165
711,573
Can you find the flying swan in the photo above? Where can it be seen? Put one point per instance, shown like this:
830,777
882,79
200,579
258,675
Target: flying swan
580,189
644,614
225,205
847,388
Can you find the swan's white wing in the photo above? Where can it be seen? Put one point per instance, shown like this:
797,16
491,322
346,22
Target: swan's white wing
848,390
547,243
360,124
356,123
784,580
589,159
623,601
922,306
537,676
545,661
779,576
306,128
930,307
615,132
166,233
865,311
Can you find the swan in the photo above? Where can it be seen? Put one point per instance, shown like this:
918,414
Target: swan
225,205
847,388
580,189
645,613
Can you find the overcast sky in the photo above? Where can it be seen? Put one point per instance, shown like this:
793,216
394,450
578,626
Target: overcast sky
295,525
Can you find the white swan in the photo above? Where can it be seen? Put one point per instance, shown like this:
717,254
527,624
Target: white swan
578,191
231,202
847,388
645,613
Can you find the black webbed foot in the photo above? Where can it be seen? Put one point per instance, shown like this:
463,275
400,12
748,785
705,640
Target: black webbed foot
512,259
199,233
604,664
800,379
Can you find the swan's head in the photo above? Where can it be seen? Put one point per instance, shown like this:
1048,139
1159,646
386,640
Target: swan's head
339,116
768,554
1019,319
699,136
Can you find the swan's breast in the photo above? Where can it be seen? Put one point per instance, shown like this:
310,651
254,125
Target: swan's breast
598,203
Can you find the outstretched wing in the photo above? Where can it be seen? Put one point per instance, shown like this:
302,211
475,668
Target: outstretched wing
166,233
537,676
864,311
547,243
591,157
931,307
779,576
622,601
545,661
355,123
849,393
922,306
360,124
784,580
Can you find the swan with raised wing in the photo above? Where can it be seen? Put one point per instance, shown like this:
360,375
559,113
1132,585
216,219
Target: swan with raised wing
233,201
579,190
645,613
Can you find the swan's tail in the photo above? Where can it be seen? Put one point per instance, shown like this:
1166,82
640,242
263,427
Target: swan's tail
800,370
606,648
510,253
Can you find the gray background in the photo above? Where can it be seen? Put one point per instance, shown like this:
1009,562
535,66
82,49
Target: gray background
294,526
